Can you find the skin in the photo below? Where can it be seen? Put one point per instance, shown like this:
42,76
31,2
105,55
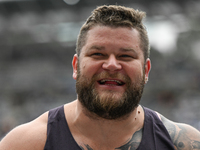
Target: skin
115,50
183,136
90,131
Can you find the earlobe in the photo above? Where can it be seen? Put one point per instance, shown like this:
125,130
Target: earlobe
75,66
147,69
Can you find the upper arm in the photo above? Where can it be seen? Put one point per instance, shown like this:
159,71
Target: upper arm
31,136
184,137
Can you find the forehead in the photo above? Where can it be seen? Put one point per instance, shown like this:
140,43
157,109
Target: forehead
114,37
118,33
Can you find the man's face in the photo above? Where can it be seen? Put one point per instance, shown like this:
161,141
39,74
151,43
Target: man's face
110,72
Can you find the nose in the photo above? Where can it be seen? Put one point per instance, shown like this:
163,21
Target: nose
111,64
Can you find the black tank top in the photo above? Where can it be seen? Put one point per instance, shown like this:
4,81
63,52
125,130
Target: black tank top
155,136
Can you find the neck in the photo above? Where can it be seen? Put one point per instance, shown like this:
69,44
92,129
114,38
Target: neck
90,125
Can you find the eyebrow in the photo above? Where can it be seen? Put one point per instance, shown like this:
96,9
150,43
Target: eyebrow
128,50
97,47
121,49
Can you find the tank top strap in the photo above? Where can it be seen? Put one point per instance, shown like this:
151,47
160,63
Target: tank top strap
155,135
59,136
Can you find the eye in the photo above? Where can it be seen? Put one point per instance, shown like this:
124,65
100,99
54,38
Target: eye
126,56
97,54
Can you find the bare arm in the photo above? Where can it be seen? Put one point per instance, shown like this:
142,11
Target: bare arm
31,136
184,136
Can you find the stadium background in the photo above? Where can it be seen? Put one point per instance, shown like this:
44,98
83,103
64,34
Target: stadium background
37,43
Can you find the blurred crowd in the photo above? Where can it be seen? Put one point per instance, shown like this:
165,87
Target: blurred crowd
37,47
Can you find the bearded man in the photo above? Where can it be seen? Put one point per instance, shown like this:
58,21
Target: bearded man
111,67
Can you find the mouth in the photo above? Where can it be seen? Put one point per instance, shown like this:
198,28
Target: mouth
111,82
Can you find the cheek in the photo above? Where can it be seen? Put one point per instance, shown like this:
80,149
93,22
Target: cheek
82,66
89,67
135,71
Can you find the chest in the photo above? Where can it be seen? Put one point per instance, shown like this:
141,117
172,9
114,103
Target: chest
131,144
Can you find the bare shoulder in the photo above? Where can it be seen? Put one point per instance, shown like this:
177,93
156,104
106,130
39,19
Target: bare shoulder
184,137
31,136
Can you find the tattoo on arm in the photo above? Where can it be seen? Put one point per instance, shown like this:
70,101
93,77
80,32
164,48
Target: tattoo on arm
183,142
181,136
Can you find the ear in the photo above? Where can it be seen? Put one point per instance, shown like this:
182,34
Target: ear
75,66
147,69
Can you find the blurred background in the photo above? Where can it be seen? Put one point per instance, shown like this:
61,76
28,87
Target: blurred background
37,43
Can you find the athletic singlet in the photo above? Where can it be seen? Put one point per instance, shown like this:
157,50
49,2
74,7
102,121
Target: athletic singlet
155,136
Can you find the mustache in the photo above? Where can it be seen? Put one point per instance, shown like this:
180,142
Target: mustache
118,76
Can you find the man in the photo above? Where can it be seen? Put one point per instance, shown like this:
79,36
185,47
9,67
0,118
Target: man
111,67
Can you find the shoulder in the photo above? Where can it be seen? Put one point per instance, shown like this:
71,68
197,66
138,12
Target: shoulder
183,136
30,136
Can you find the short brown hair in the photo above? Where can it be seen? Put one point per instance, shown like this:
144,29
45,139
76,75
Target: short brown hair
115,16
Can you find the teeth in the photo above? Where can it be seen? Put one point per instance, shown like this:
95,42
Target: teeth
119,82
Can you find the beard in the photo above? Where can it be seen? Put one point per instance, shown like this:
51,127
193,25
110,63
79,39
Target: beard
110,104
